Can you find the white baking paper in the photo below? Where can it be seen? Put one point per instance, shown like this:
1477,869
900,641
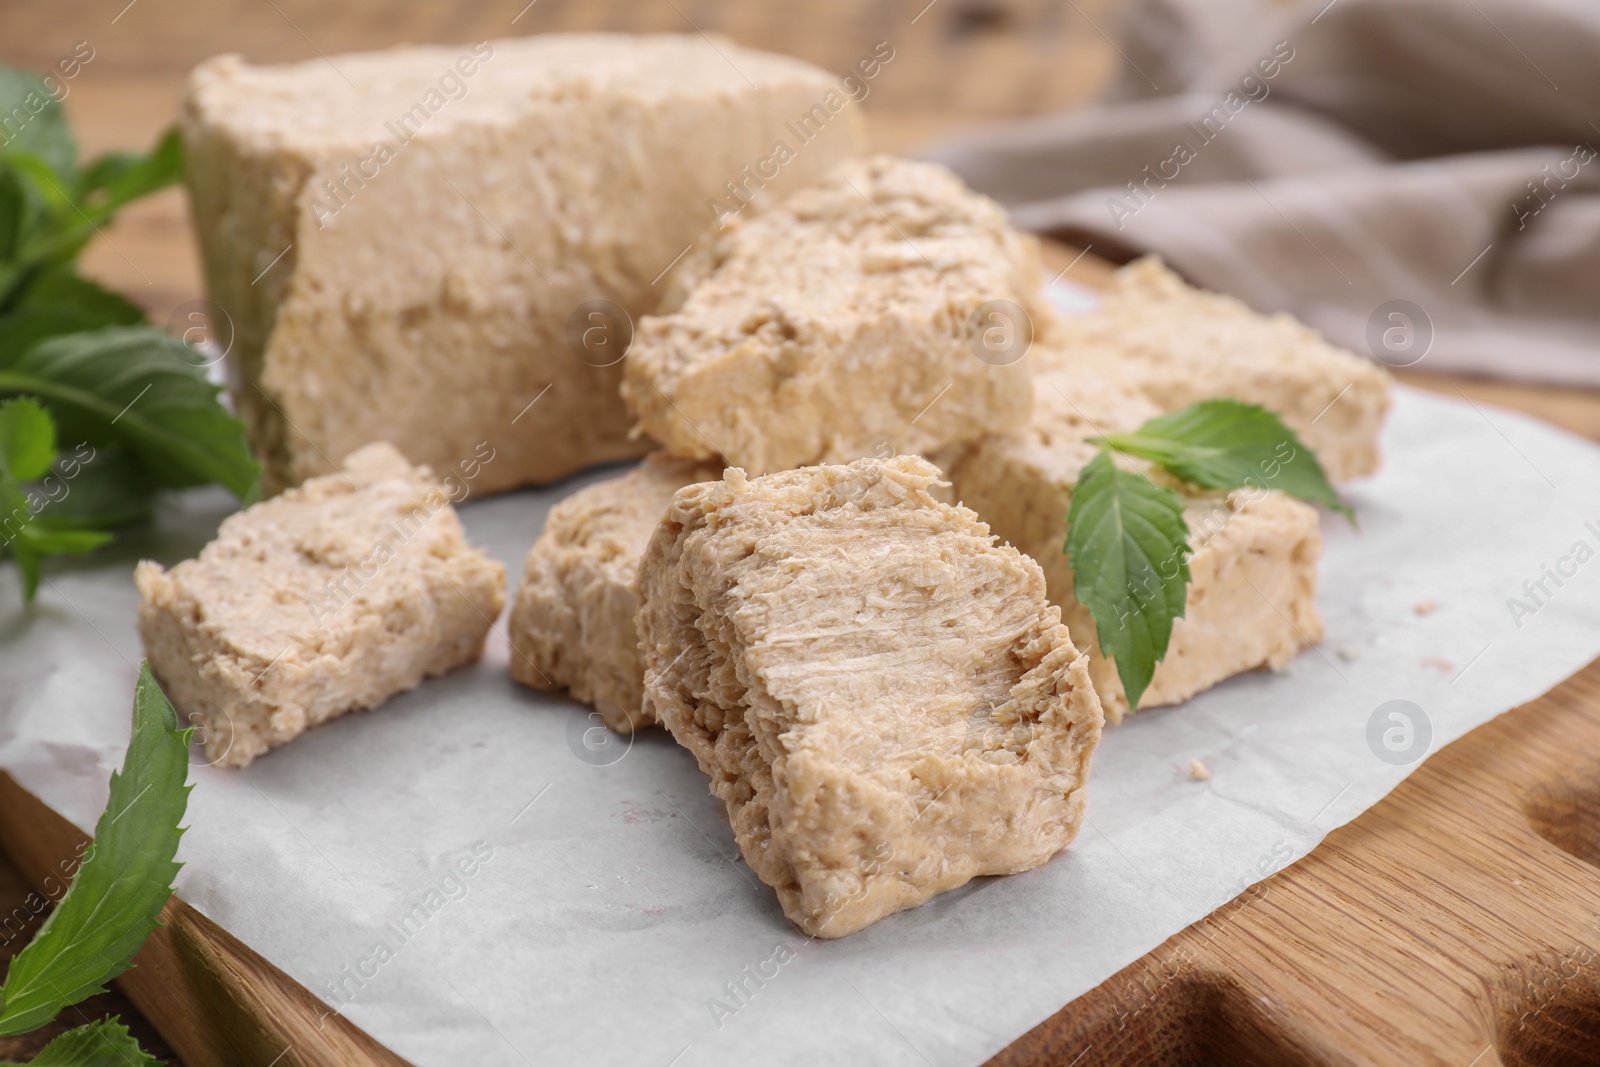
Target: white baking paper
607,918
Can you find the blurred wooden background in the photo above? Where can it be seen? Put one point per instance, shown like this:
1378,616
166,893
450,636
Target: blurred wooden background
958,64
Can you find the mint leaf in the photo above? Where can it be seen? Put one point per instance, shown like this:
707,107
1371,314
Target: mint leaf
95,489
125,879
27,561
49,210
27,440
61,286
45,540
138,386
1228,444
106,1043
1129,549
13,213
56,300
116,178
27,449
28,453
37,125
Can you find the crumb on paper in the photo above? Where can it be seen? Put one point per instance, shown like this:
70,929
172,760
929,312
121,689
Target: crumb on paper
1426,606
1348,654
1439,664
1198,771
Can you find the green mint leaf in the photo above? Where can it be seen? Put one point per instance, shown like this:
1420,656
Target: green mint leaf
27,439
62,287
13,213
60,541
40,181
61,211
55,228
39,128
1228,444
116,178
15,516
94,489
124,880
1129,549
106,1043
56,300
142,388
27,561
71,504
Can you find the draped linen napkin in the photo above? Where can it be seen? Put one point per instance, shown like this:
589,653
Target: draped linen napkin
1417,179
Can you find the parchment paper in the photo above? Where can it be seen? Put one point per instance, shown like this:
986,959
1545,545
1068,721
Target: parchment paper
607,919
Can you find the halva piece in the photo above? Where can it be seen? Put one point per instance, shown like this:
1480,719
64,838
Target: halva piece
572,620
1179,345
885,702
886,310
1253,573
328,598
444,246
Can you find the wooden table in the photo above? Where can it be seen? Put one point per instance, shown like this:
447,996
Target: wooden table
1454,920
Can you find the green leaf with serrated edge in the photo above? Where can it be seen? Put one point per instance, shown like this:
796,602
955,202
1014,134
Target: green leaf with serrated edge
23,327
27,439
40,128
1229,444
1129,549
62,286
106,1043
125,878
143,388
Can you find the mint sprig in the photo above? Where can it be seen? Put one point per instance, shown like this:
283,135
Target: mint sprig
27,453
27,440
1127,538
129,395
124,880
106,1043
136,385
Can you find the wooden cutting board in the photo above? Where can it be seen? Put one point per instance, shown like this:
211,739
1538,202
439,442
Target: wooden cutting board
1452,924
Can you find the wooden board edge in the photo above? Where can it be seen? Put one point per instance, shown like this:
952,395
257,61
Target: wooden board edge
216,1001
1190,1000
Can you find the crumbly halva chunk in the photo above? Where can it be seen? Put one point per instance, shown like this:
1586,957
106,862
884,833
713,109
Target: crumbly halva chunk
885,702
418,244
326,599
1178,345
1253,572
847,321
572,621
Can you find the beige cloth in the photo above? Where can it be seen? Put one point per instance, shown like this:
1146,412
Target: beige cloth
1331,160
